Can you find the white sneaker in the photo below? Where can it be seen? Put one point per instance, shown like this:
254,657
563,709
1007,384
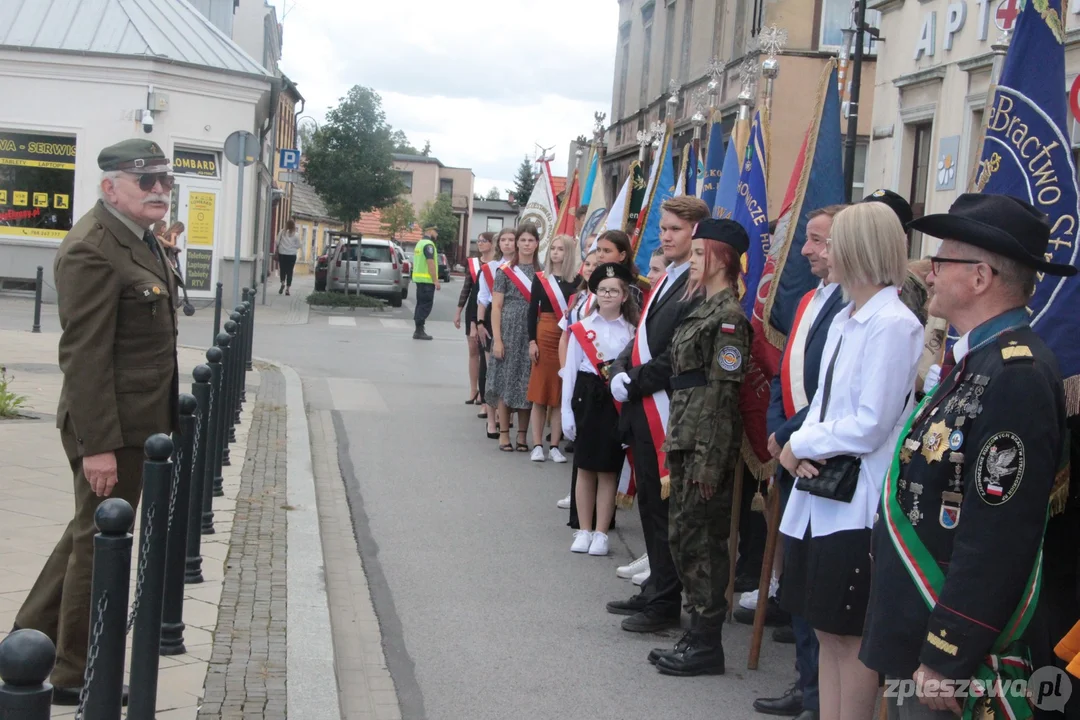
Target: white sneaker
537,454
582,541
564,504
557,456
749,600
599,545
629,571
641,577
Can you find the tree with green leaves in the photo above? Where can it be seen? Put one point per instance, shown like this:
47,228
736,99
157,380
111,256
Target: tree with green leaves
349,159
440,215
402,144
398,217
493,194
524,181
426,152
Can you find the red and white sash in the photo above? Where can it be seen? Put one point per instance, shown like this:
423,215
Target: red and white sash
554,293
489,276
656,406
792,375
474,269
520,279
624,497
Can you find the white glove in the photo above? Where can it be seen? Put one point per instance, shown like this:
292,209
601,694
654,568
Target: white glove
933,377
618,387
569,431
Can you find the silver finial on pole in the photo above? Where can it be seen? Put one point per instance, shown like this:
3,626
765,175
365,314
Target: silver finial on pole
598,127
699,102
715,71
673,99
772,42
644,138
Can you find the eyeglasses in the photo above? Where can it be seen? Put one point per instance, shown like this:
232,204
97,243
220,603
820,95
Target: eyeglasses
936,262
608,292
148,181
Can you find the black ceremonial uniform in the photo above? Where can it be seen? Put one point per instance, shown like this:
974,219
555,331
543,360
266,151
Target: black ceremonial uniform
976,471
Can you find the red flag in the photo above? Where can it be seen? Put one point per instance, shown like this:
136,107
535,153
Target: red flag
568,209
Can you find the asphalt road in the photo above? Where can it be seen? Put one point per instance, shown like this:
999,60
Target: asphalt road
484,611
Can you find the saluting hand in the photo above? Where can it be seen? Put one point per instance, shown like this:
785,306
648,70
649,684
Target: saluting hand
100,471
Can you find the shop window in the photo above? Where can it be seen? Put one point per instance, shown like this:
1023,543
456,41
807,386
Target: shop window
920,174
37,184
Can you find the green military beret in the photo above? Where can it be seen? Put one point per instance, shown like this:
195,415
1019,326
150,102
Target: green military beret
134,156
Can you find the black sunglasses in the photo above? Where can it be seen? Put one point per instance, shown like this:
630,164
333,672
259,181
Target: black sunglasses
936,262
148,181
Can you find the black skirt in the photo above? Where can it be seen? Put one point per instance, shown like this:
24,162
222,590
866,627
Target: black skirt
827,580
597,447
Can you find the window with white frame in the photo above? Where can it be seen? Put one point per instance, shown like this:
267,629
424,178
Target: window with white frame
495,223
858,184
646,55
837,15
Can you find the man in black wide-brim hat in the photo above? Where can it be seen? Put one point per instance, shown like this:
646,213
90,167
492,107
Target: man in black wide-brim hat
958,537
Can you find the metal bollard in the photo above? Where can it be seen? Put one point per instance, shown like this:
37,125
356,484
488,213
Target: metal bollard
200,389
217,311
241,366
150,580
251,335
104,684
234,379
38,286
172,611
26,659
215,356
225,395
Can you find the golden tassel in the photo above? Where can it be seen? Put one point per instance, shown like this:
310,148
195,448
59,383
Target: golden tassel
665,487
758,503
624,501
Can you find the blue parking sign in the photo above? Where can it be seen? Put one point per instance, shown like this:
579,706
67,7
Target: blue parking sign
289,160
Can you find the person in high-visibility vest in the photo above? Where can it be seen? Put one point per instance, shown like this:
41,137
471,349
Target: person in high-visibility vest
426,276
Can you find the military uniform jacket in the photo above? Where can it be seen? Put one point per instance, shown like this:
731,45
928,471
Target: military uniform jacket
976,471
118,347
709,353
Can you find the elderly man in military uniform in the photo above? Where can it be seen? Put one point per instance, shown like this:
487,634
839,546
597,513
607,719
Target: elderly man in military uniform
958,542
118,356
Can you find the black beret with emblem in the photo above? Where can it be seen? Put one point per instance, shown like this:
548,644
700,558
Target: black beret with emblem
609,271
896,203
135,156
725,231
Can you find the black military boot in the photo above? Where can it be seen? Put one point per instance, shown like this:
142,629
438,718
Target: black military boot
703,655
420,334
680,646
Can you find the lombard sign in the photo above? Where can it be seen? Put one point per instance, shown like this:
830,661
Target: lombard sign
955,17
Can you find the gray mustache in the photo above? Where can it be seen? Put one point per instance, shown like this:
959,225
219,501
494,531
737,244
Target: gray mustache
156,198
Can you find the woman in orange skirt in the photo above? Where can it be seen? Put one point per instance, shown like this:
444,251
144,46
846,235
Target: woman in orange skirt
551,290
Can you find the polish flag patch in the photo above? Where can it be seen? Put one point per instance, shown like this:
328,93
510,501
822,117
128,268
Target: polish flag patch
728,328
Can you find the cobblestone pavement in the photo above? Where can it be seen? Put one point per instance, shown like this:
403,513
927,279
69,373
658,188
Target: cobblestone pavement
247,672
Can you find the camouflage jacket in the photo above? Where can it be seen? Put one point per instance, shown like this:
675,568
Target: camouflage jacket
709,354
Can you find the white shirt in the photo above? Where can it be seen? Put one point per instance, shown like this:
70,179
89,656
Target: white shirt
960,347
821,296
575,311
611,337
871,397
483,294
673,273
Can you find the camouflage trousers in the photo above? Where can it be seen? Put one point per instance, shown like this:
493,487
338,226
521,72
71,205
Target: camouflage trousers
698,533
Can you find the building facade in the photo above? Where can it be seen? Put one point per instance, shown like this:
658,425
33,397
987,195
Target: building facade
491,216
425,179
285,139
664,40
158,70
313,224
929,103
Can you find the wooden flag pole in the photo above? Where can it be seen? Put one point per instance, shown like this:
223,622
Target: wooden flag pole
733,537
766,575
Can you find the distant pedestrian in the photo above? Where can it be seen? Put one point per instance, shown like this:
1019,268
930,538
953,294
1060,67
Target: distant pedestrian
426,276
288,245
118,358
467,302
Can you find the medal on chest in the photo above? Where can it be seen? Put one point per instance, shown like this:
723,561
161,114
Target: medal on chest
935,442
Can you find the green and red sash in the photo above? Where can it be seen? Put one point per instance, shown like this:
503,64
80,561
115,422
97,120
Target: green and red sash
1008,658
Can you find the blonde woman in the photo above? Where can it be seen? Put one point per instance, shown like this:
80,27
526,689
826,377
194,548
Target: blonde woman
864,395
551,292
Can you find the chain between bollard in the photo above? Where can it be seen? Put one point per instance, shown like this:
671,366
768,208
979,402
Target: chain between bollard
175,484
141,574
92,653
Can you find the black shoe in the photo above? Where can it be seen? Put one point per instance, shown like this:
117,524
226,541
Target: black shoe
788,704
421,335
628,607
680,646
704,655
807,715
649,620
569,449
745,583
784,635
774,616
69,697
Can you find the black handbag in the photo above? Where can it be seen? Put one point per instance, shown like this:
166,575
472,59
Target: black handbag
838,476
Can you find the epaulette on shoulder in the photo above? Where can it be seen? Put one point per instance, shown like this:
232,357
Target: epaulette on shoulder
1015,351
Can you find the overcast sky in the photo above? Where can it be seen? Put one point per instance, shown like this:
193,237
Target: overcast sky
483,80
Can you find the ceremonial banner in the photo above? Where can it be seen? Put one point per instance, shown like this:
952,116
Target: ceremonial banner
616,218
816,182
693,175
540,210
647,197
568,209
663,188
727,188
752,213
1026,153
714,162
684,169
637,198
590,174
596,200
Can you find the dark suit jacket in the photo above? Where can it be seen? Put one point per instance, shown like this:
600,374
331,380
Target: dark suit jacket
664,317
776,420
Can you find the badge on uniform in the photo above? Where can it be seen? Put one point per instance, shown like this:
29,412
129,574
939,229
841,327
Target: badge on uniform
949,515
908,449
730,358
157,290
956,440
934,442
1000,468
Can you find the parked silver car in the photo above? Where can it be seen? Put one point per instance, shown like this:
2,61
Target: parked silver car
406,269
378,272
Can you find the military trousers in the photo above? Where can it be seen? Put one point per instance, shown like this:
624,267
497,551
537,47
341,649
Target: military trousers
59,604
698,532
425,300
